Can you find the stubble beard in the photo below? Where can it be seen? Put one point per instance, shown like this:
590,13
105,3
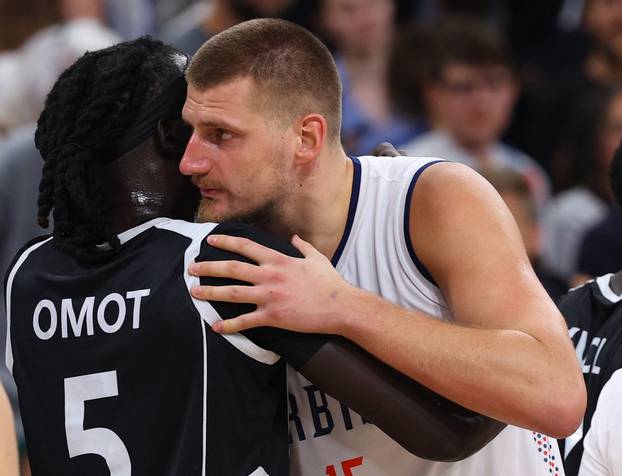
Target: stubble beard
267,215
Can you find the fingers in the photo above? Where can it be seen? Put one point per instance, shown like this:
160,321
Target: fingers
385,149
305,248
226,269
236,294
240,323
243,246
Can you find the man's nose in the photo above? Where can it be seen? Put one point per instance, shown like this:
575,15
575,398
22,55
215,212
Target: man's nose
195,160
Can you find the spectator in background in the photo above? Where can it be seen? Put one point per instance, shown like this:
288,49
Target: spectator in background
361,32
26,76
601,248
27,73
468,93
516,194
492,11
559,74
589,144
218,16
20,19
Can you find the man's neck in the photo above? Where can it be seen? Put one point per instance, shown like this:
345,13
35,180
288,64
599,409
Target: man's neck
319,209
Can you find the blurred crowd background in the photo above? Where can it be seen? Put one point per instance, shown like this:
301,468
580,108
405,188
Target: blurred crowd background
527,93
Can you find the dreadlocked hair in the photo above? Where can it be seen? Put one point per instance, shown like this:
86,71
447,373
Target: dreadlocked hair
90,106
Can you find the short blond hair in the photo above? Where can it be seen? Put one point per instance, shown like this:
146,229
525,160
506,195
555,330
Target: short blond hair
294,72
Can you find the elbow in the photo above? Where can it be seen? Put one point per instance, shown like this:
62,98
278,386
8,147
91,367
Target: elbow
565,412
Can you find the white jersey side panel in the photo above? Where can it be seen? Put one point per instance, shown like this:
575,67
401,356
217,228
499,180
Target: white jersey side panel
327,437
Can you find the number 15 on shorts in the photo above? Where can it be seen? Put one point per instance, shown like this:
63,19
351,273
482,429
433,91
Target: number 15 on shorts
346,467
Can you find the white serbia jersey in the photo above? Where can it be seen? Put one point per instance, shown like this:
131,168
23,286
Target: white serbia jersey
376,254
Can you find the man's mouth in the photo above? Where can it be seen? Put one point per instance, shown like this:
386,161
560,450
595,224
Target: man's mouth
207,192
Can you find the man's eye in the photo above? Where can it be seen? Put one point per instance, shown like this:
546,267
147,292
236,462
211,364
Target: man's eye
224,135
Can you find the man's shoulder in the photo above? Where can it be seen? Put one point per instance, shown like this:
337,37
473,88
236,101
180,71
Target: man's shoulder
187,228
21,257
26,249
577,293
243,230
590,305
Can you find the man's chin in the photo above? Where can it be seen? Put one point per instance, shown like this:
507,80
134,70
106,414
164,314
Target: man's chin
207,214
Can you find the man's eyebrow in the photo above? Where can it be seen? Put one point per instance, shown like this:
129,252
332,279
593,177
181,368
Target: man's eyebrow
216,123
206,123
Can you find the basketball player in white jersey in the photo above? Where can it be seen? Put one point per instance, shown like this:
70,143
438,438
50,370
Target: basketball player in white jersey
431,275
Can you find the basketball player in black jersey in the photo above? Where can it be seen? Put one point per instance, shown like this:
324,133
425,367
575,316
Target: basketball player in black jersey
117,369
594,316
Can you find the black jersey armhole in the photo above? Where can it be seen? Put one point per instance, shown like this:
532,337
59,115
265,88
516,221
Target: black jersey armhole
409,245
296,348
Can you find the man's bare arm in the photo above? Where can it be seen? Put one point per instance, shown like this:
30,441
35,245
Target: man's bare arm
508,354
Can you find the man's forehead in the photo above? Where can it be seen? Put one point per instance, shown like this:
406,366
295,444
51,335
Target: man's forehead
230,103
238,87
235,92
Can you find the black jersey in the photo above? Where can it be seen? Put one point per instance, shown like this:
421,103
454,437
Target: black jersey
593,314
119,373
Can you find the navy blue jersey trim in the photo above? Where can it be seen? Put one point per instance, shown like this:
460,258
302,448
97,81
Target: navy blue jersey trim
354,199
411,250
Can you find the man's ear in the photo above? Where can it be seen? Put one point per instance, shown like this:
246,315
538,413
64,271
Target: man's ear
312,133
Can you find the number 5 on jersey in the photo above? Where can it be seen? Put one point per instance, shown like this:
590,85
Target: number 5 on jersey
101,441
